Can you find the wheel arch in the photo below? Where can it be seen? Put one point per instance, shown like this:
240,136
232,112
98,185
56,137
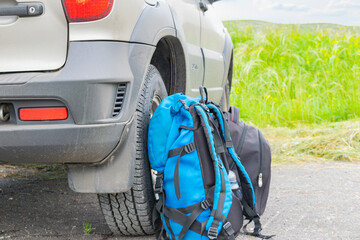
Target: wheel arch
169,59
154,23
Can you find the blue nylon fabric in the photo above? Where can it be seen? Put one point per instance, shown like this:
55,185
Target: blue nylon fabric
234,156
191,183
216,167
164,125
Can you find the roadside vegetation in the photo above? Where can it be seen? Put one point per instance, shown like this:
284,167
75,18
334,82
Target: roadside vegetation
287,75
339,141
301,85
87,228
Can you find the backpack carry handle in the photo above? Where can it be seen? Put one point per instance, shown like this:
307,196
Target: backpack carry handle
203,89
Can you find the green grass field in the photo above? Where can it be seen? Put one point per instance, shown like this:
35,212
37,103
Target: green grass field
291,75
338,141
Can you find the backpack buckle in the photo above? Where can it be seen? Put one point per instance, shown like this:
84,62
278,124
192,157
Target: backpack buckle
159,183
212,233
228,229
189,147
205,204
220,165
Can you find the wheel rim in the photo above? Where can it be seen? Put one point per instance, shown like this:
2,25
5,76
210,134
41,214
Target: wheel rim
155,103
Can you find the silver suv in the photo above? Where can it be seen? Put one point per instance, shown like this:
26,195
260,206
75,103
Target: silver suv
80,79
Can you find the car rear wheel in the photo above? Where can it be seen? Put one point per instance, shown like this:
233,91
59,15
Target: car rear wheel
130,213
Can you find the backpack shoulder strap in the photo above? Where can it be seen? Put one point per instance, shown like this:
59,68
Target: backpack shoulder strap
245,179
222,193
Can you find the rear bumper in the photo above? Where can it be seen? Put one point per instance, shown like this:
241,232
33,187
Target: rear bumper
58,143
87,85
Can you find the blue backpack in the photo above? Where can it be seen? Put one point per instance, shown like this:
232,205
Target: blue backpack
190,148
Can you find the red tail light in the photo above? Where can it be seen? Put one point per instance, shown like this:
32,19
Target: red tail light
43,114
87,10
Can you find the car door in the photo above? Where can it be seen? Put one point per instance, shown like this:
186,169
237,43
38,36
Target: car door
187,21
33,35
212,44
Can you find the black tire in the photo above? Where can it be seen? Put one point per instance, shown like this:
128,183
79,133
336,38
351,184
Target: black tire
129,213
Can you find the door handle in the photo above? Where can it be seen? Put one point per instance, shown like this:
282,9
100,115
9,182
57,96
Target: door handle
23,10
203,6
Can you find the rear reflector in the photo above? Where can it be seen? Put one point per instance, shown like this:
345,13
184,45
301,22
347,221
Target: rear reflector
87,10
43,114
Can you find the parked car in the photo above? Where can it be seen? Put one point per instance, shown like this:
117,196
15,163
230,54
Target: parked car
79,81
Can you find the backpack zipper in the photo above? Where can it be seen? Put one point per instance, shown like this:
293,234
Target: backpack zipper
260,177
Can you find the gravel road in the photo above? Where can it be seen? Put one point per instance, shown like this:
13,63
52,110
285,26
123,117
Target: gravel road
307,201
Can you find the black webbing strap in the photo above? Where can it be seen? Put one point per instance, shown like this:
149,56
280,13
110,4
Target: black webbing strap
249,212
188,148
161,235
217,214
159,209
227,135
229,231
253,216
257,229
204,204
187,128
219,146
181,151
159,183
195,120
188,222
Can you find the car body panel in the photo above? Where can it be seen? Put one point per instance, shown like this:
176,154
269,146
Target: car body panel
187,21
213,43
33,43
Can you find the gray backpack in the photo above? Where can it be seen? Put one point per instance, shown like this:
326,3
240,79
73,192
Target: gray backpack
255,155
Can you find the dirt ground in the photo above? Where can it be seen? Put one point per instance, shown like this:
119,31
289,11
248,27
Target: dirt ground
307,201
